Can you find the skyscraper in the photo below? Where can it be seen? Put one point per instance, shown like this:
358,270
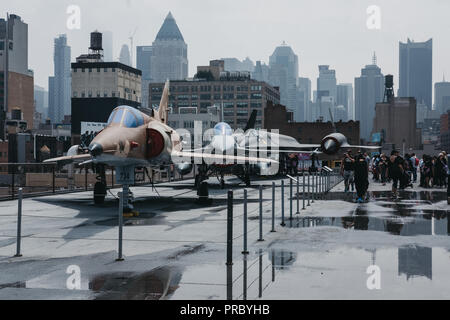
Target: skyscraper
125,56
16,80
41,101
326,93
60,84
283,73
234,64
345,98
143,56
416,71
107,46
169,53
261,72
442,96
369,89
326,82
303,100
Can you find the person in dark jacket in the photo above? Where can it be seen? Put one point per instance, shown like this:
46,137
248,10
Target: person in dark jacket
396,169
361,176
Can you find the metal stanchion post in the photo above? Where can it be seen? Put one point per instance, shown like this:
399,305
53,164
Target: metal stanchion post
260,289
298,195
245,251
273,207
19,223
230,228
309,190
303,196
290,196
53,179
282,204
121,203
313,187
260,213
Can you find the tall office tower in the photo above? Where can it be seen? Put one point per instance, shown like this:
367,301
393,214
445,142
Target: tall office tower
17,81
261,72
303,100
442,96
60,84
108,46
369,89
143,56
416,71
125,56
41,101
326,92
283,73
345,98
326,82
169,54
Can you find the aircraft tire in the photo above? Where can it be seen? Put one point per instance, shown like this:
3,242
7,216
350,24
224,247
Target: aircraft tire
99,193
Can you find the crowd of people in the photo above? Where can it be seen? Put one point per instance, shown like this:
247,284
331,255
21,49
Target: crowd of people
432,171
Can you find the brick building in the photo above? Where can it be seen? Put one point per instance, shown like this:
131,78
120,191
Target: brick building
445,131
277,117
235,91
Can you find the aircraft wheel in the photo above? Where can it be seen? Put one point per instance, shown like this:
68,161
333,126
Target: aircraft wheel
99,193
247,180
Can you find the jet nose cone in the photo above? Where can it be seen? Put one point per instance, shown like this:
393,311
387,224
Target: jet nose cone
95,149
330,147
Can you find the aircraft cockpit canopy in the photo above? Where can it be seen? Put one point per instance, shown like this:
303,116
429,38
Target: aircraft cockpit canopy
222,129
126,116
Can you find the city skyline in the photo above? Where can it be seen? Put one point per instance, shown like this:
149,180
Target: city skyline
342,41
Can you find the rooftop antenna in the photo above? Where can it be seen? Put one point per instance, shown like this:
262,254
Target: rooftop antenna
374,59
131,37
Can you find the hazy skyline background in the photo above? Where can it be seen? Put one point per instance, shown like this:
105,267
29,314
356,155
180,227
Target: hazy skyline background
327,32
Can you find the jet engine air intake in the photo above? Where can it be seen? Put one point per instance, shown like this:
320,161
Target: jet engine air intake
155,143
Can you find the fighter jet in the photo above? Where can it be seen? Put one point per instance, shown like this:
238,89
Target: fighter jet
248,141
330,145
133,139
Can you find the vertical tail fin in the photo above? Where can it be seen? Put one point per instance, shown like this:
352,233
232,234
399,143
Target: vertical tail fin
332,121
163,110
251,121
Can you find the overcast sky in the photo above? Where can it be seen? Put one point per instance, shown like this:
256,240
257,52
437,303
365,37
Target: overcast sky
330,32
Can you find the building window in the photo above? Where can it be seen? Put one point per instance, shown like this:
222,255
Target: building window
105,94
113,94
82,69
90,94
105,70
83,95
113,70
74,94
90,69
75,70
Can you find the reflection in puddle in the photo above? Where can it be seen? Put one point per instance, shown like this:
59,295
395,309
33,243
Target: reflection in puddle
283,274
429,222
416,197
154,285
